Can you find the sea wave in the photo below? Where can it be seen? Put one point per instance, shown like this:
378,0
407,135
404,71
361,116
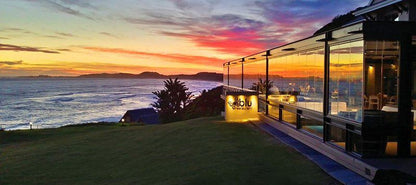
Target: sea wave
57,102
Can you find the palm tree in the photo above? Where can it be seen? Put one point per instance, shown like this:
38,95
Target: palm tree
172,100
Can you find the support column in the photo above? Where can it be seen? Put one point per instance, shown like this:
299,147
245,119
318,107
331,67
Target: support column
267,81
405,98
242,74
328,36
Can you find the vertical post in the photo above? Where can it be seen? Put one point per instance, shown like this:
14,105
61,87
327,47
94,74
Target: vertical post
405,97
242,73
412,10
298,119
328,36
267,81
228,74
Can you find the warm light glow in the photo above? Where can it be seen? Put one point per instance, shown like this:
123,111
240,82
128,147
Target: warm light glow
241,108
292,99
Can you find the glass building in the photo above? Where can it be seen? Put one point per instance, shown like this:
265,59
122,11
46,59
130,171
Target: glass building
352,88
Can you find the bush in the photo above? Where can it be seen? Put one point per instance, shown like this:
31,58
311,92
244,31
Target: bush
209,103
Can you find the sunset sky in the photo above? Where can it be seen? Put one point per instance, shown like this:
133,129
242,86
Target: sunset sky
72,37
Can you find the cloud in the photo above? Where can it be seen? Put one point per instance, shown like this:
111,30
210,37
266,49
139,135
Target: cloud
11,62
64,34
56,35
66,6
64,49
264,24
190,59
226,33
109,34
9,47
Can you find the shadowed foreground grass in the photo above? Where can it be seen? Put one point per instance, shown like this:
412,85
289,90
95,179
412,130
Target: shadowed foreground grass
199,151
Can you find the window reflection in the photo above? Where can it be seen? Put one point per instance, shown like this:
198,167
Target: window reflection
235,74
346,80
298,79
289,117
225,75
313,126
255,77
255,80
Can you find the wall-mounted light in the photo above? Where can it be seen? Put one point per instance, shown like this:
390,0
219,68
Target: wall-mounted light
289,49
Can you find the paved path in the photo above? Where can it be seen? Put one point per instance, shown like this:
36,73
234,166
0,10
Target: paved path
336,170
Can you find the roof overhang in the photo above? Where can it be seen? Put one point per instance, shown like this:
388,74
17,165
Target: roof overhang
375,7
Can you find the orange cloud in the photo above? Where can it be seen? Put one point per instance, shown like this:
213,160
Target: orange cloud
180,58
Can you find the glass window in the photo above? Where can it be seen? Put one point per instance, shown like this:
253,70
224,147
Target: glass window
313,126
225,75
274,111
346,80
413,147
381,72
357,143
289,117
311,80
235,74
337,136
255,77
298,79
278,77
381,75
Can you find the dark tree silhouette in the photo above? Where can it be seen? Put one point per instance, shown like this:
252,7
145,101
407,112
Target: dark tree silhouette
209,103
172,100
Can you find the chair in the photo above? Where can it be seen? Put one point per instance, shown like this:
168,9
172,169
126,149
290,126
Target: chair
392,100
373,100
366,105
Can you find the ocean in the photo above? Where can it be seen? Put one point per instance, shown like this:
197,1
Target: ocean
55,102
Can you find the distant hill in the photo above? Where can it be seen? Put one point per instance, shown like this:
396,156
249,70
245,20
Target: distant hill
199,76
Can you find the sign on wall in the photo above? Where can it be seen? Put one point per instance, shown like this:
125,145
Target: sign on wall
241,106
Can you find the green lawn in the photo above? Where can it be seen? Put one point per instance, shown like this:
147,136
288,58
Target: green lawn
199,151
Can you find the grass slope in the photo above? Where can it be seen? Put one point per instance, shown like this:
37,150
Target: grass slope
199,151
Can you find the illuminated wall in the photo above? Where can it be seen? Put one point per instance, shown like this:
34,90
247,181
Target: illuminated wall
240,107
